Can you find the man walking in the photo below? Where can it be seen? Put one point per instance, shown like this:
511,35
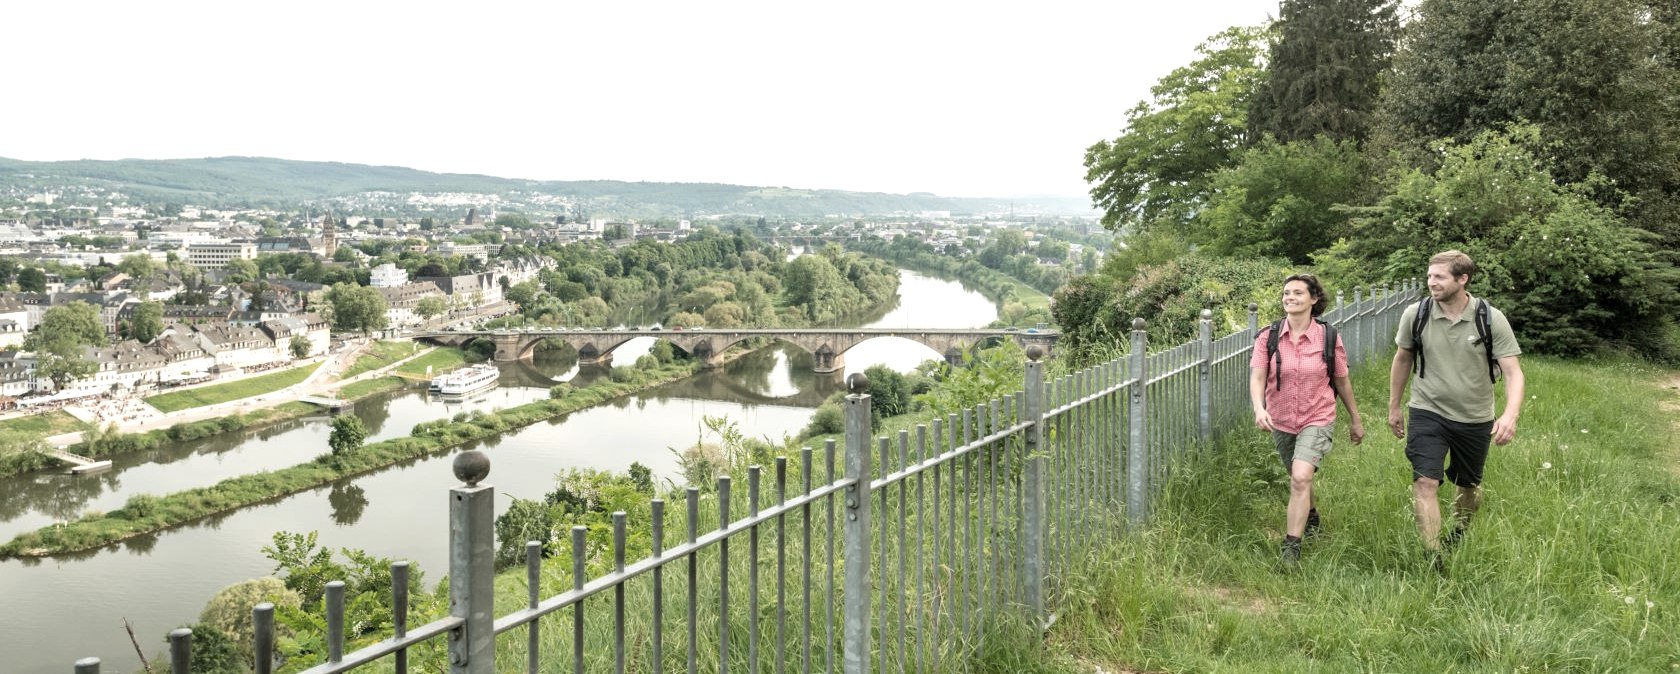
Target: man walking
1458,349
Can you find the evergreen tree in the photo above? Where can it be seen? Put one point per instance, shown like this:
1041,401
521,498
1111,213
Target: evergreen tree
1326,59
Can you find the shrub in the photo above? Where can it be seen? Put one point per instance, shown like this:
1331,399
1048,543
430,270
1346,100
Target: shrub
827,420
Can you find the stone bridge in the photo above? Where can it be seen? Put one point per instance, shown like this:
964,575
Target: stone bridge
827,345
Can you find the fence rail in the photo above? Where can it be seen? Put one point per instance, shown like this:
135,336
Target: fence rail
900,556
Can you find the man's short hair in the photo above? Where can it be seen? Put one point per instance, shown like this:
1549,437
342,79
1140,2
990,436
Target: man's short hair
1458,264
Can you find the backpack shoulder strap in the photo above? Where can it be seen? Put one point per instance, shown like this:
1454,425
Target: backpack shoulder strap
1484,332
1419,320
1272,351
1330,338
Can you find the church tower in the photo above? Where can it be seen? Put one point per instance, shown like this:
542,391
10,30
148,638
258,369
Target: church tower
329,235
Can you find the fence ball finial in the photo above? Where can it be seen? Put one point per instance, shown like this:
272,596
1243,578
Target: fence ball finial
1207,314
1034,352
471,466
858,383
1138,323
1253,307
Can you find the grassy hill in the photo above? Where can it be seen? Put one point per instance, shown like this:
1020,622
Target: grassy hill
233,181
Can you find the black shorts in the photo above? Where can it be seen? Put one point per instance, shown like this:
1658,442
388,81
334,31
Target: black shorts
1432,439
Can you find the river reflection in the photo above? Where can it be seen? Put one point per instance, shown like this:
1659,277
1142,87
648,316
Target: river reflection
62,609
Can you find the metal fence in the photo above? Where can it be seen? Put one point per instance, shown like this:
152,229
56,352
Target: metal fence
896,554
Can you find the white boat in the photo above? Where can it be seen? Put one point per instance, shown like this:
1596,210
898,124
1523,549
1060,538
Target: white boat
467,381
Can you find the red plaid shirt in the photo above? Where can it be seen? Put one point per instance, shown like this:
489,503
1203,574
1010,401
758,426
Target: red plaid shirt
1306,398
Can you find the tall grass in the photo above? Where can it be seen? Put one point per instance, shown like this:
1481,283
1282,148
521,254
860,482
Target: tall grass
1569,566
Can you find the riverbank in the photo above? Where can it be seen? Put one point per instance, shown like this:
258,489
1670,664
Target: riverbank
997,286
221,414
147,513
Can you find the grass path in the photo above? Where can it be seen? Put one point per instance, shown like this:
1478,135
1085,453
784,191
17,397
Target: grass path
1571,565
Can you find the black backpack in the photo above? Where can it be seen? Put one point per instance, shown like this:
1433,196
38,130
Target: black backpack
1484,335
1329,350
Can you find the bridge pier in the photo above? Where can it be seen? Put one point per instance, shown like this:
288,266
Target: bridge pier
507,347
828,361
954,357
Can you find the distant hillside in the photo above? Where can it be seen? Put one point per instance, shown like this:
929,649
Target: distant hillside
256,181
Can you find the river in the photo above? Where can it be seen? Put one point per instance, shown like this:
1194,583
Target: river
55,611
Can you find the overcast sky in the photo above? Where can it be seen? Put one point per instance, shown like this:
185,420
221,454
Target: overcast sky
955,98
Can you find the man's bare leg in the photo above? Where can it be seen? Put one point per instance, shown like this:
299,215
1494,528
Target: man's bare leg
1427,506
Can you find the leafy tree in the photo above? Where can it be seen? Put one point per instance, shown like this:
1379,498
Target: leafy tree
300,347
138,265
8,271
147,323
1599,78
229,611
59,340
348,434
1323,69
32,280
430,307
356,308
1569,274
513,220
1279,202
240,270
889,393
1159,171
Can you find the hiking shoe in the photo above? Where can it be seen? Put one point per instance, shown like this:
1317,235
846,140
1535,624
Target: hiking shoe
1291,553
1312,522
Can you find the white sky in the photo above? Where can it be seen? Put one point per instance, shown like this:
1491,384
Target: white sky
955,98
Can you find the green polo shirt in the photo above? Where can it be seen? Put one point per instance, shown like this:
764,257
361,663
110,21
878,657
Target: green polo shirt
1455,384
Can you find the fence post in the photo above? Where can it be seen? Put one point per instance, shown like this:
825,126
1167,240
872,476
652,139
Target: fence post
855,648
262,623
1204,404
472,510
180,651
87,666
1253,319
1137,453
1357,355
1033,526
1341,315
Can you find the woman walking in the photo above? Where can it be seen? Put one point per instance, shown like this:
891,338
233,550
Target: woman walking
1298,370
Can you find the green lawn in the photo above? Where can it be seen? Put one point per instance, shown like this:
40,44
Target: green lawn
440,360
379,355
1032,297
42,425
1569,566
221,393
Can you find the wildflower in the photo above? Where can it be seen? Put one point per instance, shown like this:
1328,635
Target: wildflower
1650,604
1628,600
1583,430
1546,466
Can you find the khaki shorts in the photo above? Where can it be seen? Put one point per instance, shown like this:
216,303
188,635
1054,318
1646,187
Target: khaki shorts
1310,445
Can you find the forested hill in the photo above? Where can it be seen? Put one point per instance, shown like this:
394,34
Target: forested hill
233,181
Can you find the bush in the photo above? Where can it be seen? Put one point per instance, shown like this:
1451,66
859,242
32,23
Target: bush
559,391
827,420
1096,310
140,507
229,611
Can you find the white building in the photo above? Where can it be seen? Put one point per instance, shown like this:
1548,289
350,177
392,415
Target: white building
217,255
388,275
